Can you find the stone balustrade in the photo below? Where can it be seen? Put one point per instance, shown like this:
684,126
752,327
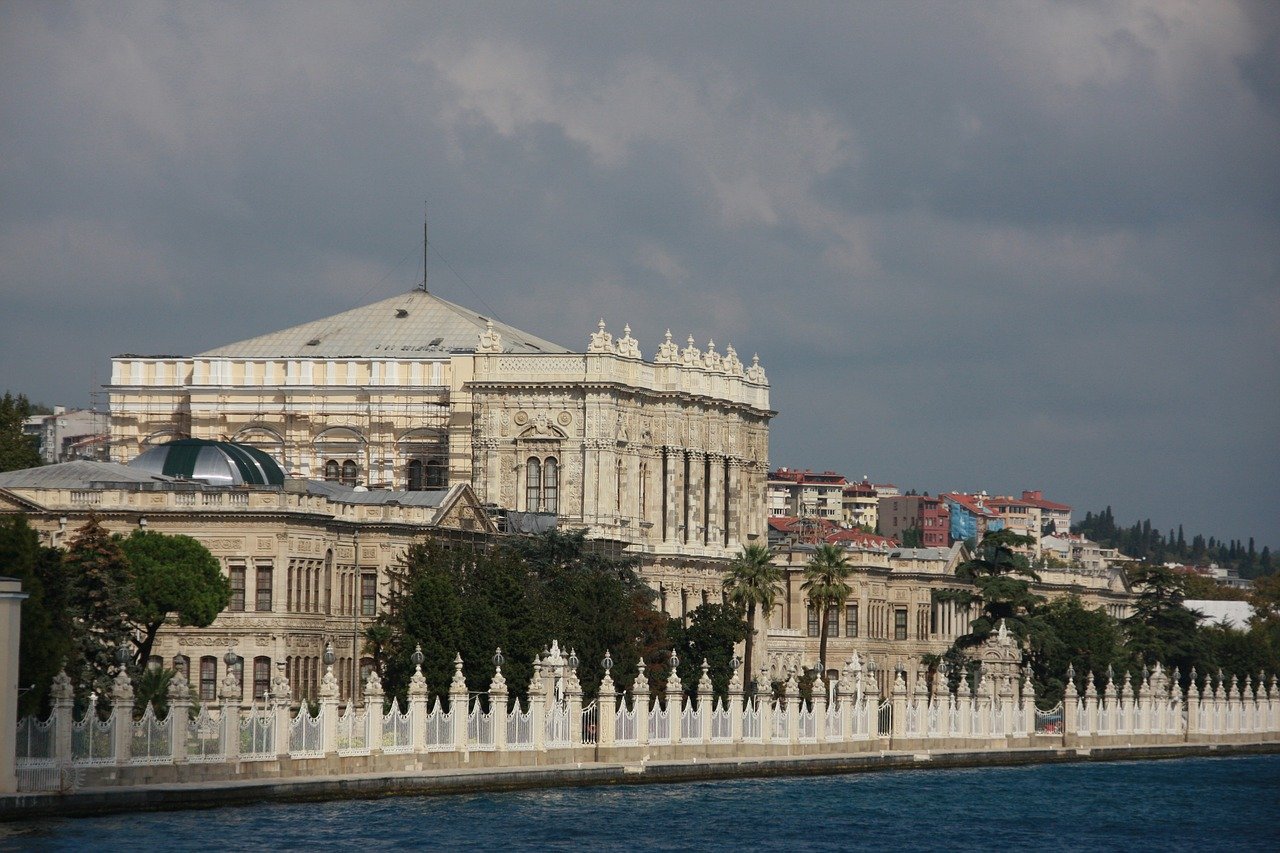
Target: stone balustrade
621,725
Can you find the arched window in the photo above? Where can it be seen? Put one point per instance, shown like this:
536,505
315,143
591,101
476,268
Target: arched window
261,675
349,473
435,474
551,485
415,478
331,471
533,485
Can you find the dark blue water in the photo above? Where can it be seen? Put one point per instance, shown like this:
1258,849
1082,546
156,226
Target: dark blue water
1196,803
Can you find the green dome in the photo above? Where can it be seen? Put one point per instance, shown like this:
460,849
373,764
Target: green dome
218,463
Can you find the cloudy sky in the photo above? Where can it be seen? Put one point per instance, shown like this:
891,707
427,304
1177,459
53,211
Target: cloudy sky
977,245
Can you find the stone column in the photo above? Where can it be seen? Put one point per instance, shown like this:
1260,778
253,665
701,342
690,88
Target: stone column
764,702
675,704
497,708
697,497
179,694
230,717
373,713
899,710
640,702
965,707
606,712
458,705
573,697
329,711
1028,709
706,703
1070,708
537,707
673,466
122,715
62,696
792,693
735,702
1007,706
982,706
1090,724
280,696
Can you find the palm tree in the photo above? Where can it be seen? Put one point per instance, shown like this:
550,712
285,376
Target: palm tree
826,582
752,580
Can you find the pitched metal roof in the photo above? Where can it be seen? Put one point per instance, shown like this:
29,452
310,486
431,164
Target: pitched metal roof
351,495
414,324
77,474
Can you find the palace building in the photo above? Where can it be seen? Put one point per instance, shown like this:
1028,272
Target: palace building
669,456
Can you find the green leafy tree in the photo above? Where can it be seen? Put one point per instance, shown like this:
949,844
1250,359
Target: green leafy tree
100,599
752,582
45,640
1076,636
172,575
1161,629
17,451
826,581
913,537
712,633
1000,584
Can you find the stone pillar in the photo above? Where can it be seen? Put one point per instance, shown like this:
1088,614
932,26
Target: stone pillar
1109,701
1028,709
329,711
231,717
673,463
179,695
899,710
280,696
675,704
735,702
1143,705
122,715
1090,724
982,704
11,598
458,705
820,709
640,702
62,696
497,708
1007,706
373,713
706,703
606,712
764,702
1070,707
791,690
537,707
965,708
573,696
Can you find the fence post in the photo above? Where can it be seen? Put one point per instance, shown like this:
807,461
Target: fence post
373,698
122,715
640,703
964,707
1070,707
281,695
573,693
764,704
231,717
735,703
1029,706
329,708
63,697
537,707
706,703
179,694
899,729
1090,724
792,688
606,710
497,708
675,707
458,705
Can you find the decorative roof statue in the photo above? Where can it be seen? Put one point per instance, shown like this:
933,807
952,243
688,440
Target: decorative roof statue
668,351
755,373
732,364
490,339
691,356
711,359
601,341
628,347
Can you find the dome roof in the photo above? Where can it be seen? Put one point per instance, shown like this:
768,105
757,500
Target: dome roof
218,463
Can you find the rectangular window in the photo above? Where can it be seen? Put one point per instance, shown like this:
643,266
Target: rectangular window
368,594
263,589
208,678
851,620
813,621
237,589
899,623
833,621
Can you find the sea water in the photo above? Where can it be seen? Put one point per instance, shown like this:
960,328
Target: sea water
1194,803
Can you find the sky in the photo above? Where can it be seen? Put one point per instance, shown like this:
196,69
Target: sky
976,245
